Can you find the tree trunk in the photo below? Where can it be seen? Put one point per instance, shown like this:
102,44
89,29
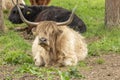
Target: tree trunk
1,18
112,13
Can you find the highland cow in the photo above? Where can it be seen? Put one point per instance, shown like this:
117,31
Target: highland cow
56,43
7,4
46,13
40,2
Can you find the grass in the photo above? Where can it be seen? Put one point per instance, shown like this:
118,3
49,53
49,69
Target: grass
100,61
42,73
13,47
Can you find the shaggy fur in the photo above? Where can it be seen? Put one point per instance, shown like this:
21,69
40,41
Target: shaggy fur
7,4
63,46
40,2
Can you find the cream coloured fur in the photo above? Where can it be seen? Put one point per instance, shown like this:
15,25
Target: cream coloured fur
69,47
7,4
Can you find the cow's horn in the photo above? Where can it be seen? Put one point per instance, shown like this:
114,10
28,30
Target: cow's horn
13,2
69,20
25,20
21,6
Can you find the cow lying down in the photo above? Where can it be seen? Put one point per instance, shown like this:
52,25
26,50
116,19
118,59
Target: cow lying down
59,45
56,44
7,4
46,13
39,2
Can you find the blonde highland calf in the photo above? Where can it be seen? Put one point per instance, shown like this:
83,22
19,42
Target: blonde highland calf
57,45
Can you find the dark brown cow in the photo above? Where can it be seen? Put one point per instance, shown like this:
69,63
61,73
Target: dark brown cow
46,13
40,2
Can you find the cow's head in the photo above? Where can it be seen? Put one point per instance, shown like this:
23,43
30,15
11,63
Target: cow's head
29,12
47,32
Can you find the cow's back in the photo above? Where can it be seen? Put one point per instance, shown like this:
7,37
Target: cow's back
71,40
59,14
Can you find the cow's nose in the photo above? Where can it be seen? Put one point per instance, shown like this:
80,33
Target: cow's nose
43,39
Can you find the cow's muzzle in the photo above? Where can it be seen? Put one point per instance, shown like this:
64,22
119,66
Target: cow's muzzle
43,41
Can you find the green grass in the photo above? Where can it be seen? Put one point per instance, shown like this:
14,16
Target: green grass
13,48
100,61
42,73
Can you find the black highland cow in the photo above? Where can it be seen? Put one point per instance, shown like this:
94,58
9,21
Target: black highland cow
43,13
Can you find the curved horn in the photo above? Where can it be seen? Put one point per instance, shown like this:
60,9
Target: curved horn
13,2
17,4
21,6
25,20
69,20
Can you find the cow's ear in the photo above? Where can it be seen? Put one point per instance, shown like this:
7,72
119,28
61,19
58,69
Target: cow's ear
34,31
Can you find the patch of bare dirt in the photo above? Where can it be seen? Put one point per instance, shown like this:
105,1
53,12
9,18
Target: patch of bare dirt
109,70
28,77
93,39
7,73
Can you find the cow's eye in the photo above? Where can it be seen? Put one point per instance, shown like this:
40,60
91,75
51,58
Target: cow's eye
14,12
28,12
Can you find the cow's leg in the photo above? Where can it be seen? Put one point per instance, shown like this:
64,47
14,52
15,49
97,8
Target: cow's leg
39,60
20,28
28,29
47,61
70,61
